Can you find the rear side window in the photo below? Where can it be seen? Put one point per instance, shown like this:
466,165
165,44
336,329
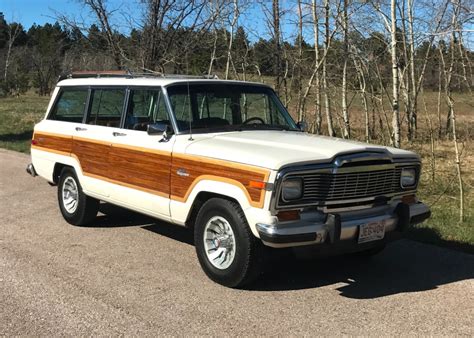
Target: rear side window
70,105
106,107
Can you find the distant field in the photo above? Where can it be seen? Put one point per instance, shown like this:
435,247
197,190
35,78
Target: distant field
19,114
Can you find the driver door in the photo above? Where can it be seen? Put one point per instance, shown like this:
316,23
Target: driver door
142,162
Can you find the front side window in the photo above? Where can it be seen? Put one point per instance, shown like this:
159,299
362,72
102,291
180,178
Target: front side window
227,107
145,106
106,107
70,105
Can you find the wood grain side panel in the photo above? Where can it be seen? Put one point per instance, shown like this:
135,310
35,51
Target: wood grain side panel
54,142
142,169
93,157
148,170
180,185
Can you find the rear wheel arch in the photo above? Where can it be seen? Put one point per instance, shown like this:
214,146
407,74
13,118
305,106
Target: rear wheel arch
76,207
58,168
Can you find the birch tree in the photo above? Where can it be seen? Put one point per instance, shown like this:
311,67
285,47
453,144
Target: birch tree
395,74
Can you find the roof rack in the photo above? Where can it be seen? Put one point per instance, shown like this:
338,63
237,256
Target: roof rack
129,74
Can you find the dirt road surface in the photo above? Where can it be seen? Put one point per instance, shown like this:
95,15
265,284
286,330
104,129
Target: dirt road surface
129,274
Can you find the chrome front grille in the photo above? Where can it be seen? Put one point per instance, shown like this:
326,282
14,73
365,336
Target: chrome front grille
343,186
326,187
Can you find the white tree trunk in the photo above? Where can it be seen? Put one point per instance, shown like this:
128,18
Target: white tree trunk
395,79
317,84
345,112
327,100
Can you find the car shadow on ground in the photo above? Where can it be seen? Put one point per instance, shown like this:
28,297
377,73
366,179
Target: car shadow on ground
404,266
112,216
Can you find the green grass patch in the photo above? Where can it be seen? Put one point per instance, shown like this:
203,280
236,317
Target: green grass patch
444,227
18,115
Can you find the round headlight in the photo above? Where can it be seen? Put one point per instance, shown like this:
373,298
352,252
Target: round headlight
292,189
408,178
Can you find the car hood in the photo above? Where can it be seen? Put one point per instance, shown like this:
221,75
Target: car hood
276,149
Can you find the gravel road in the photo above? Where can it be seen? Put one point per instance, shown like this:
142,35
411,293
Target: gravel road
129,274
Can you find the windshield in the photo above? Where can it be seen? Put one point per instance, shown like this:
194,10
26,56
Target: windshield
227,107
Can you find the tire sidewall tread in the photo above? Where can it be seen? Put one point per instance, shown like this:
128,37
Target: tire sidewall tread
247,261
87,207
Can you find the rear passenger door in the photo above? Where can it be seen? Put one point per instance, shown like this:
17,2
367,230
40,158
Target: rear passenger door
92,141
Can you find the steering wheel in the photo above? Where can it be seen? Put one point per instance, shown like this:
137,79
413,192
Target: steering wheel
255,118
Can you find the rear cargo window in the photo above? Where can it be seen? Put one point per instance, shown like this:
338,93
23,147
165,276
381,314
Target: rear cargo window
70,106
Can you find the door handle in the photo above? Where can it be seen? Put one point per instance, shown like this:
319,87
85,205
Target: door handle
80,129
115,133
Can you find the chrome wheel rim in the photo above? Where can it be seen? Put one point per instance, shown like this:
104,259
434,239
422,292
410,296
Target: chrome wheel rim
70,195
219,242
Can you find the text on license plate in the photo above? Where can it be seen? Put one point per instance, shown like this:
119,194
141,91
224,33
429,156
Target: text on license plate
371,231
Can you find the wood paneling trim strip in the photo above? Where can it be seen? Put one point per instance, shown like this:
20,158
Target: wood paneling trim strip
95,158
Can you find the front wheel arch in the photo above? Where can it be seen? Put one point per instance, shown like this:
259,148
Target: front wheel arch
201,198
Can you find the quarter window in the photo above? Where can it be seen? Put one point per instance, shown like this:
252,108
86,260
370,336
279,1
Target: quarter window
70,106
106,107
146,106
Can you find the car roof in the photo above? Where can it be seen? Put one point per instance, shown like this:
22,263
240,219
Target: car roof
144,81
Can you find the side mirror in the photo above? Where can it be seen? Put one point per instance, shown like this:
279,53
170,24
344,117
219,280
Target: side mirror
302,125
160,128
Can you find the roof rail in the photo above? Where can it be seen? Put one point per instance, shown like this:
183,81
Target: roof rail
129,74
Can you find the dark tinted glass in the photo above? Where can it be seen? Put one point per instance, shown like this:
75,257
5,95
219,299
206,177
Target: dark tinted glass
70,105
106,107
145,106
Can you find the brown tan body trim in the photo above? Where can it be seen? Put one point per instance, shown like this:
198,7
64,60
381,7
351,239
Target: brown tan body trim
152,171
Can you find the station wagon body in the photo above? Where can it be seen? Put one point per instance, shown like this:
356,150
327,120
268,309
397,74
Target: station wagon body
226,159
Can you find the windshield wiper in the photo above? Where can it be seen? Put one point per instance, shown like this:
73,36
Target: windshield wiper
264,127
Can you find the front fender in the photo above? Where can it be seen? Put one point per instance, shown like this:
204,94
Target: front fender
181,207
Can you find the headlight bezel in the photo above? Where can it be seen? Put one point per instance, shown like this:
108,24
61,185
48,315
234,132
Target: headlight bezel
298,184
408,173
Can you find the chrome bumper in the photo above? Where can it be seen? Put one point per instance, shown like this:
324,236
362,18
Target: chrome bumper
318,228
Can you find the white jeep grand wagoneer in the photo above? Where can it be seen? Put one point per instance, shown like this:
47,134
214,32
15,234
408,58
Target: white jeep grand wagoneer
222,157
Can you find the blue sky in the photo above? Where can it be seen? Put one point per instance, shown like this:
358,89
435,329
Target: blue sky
28,12
253,18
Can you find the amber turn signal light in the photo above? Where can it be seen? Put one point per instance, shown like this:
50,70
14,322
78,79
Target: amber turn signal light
409,199
257,184
288,215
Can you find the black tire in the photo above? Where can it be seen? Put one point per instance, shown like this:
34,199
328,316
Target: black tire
371,252
247,262
86,207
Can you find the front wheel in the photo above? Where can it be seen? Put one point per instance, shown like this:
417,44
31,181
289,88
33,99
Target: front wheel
76,207
226,248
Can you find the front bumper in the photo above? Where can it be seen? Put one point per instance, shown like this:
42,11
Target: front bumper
318,228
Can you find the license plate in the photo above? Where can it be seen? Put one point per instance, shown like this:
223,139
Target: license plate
371,231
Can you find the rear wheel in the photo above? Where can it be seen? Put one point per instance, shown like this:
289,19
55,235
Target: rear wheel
76,207
226,248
